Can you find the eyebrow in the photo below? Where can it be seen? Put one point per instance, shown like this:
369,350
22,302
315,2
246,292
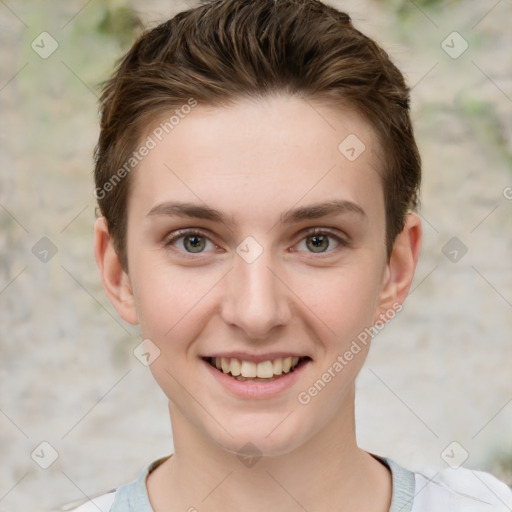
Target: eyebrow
314,211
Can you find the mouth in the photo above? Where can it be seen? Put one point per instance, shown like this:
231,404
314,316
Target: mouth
264,371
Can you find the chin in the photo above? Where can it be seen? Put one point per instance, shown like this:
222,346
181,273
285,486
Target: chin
258,437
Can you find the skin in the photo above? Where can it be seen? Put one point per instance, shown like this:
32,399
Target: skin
253,161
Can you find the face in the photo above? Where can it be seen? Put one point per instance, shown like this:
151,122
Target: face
255,241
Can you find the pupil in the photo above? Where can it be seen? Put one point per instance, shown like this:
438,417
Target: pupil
195,242
317,241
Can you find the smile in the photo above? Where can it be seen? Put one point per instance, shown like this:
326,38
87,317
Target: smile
262,371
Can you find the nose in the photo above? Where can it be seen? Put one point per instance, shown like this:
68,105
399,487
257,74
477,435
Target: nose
256,300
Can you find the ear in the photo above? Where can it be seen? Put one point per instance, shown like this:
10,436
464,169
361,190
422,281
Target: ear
115,280
401,266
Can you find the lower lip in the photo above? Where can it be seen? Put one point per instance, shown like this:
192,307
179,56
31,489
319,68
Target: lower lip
255,389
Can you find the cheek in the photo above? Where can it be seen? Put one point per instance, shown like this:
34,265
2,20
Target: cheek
344,300
169,298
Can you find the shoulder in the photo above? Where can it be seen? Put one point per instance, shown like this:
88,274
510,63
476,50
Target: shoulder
128,497
101,503
447,490
461,489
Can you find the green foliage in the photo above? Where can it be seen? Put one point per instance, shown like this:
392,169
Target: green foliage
501,467
406,9
486,124
121,23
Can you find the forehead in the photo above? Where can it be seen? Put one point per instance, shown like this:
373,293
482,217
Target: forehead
257,154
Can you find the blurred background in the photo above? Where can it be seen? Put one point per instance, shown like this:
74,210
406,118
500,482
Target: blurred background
80,414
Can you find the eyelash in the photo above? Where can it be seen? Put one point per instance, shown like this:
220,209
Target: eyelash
312,232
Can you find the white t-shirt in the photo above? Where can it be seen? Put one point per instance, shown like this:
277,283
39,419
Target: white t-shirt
448,490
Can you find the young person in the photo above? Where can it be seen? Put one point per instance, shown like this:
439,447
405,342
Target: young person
257,177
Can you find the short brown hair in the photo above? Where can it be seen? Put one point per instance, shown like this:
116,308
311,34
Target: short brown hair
225,50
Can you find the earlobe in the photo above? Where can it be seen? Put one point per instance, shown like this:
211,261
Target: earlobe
401,266
116,281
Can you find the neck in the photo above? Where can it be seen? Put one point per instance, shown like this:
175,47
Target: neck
328,471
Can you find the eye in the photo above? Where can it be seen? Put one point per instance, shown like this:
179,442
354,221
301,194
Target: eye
318,241
192,241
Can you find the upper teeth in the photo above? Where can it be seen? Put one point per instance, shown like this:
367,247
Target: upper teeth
263,370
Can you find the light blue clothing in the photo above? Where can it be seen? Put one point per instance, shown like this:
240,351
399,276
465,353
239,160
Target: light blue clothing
448,490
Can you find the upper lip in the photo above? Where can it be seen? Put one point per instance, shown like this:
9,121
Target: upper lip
255,358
